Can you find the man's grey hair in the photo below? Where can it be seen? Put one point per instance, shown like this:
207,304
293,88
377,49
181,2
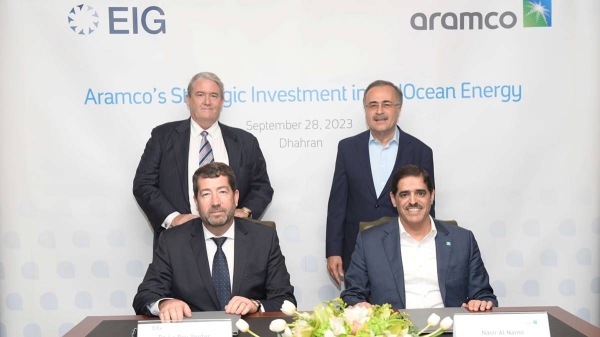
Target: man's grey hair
207,76
382,83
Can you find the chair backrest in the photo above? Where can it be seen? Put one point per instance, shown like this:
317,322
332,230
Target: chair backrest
262,222
368,224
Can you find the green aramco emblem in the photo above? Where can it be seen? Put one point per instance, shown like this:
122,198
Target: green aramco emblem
537,13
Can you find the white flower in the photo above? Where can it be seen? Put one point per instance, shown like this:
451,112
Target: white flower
288,308
277,325
302,323
242,325
328,333
446,323
433,320
356,314
337,325
287,332
301,327
305,315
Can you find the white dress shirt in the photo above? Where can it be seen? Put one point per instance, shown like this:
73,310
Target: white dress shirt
215,139
211,250
420,270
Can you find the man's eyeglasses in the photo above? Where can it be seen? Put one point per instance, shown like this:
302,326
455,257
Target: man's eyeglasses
385,105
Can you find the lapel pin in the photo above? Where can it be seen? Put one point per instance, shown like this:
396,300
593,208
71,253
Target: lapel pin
448,243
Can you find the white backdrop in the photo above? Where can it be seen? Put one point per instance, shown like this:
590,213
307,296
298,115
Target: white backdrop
520,171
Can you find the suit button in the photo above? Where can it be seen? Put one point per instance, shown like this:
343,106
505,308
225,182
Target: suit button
376,206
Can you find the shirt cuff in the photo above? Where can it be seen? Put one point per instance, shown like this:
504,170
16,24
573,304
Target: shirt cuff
153,308
167,223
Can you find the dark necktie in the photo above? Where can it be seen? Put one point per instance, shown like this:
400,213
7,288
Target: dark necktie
206,153
220,274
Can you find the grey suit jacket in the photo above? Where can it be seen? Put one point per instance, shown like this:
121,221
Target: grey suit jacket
376,274
180,269
160,185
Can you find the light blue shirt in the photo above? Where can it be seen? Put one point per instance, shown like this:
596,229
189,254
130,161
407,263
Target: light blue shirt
382,160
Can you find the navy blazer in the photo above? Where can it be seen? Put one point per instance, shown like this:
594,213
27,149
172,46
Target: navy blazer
160,185
376,274
353,199
180,269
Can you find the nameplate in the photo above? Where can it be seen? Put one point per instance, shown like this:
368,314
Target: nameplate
186,328
524,324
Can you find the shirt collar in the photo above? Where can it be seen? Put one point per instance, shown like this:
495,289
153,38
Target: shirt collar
395,139
433,229
214,131
230,234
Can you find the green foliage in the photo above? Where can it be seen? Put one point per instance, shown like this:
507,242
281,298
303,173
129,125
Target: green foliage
378,320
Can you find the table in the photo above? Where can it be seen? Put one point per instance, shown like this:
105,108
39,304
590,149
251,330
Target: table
586,329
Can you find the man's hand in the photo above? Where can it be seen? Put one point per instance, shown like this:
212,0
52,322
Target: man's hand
240,213
173,310
239,305
182,218
477,305
365,305
334,266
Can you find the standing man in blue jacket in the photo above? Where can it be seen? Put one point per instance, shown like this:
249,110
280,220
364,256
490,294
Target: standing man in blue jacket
363,170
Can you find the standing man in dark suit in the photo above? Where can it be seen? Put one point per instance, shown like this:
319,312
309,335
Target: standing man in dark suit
415,261
363,169
215,262
163,181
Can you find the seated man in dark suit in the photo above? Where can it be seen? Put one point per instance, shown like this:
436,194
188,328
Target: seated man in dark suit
415,261
215,262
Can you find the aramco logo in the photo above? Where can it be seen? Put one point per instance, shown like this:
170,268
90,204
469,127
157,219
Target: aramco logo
537,13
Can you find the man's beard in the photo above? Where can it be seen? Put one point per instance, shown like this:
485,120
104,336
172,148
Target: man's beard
217,221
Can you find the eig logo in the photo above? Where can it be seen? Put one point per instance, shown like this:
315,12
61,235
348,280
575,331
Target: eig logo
536,13
84,20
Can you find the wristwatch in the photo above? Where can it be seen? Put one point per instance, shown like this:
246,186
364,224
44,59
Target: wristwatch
247,211
257,304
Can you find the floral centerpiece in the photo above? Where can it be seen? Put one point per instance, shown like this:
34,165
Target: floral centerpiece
334,318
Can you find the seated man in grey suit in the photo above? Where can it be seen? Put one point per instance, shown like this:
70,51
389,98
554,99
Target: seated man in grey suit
215,262
415,261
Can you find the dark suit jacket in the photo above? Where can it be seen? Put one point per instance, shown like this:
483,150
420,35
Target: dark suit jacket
376,274
353,198
180,269
160,185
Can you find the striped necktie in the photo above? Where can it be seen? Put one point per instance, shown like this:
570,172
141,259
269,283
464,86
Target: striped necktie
206,153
